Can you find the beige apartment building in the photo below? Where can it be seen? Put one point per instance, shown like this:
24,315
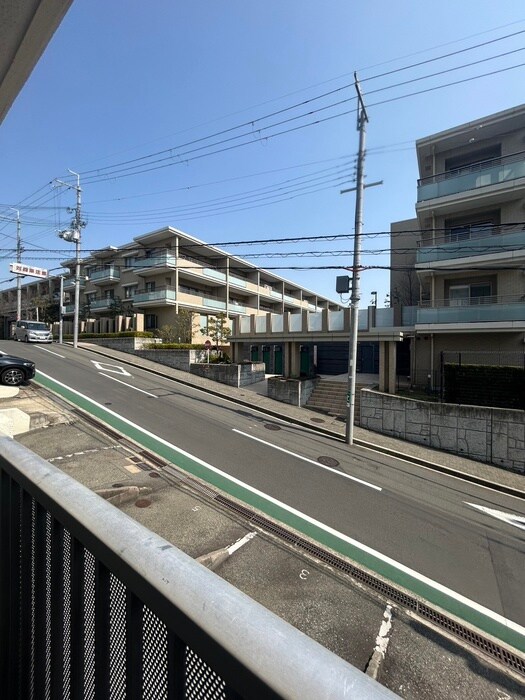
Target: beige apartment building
146,282
458,282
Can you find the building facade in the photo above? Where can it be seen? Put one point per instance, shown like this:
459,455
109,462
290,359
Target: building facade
464,254
145,283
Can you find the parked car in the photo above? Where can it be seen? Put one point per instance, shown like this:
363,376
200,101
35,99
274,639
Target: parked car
15,370
32,332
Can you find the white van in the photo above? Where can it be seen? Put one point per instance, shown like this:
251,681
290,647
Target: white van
32,332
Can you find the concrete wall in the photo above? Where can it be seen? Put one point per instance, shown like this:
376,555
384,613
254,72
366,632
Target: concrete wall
178,359
292,391
123,344
493,435
232,375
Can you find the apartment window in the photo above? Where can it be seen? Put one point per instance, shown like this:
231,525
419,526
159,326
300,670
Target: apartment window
129,292
109,294
469,294
468,160
150,286
129,262
478,226
150,322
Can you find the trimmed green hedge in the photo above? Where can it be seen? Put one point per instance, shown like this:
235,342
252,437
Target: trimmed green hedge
123,334
173,346
485,385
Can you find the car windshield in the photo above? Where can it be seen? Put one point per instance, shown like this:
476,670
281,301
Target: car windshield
37,327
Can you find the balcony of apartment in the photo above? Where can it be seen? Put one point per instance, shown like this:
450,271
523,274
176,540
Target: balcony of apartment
160,296
96,605
491,179
473,309
192,268
106,274
102,303
159,262
69,284
493,243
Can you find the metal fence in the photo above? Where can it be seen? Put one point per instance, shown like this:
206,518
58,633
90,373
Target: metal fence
93,605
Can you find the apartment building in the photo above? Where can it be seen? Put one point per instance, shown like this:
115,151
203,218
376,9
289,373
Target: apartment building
156,275
466,246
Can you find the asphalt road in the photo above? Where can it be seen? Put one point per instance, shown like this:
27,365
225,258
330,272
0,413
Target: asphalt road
431,523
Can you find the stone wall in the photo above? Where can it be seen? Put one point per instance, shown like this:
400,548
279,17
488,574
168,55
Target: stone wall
292,391
493,435
178,359
122,344
232,375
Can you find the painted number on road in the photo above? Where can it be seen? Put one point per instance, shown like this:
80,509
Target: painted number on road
304,574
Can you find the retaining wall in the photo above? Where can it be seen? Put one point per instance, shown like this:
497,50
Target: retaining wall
232,375
292,391
493,435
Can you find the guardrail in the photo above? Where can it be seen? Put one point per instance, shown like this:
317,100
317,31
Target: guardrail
92,604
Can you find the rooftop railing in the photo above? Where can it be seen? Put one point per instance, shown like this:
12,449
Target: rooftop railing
94,605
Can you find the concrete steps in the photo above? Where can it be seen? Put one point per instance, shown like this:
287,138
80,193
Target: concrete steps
330,397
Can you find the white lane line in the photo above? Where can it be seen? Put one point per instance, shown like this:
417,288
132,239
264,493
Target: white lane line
311,461
50,352
237,545
125,384
509,518
316,523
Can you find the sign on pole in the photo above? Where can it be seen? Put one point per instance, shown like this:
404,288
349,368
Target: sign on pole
29,270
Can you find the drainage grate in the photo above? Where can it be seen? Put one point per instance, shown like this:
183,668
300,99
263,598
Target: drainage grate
494,650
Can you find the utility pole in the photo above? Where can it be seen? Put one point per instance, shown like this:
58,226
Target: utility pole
74,236
18,260
362,118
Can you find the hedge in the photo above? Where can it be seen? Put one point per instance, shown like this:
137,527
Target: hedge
485,385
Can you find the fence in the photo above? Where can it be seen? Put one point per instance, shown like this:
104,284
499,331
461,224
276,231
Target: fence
93,605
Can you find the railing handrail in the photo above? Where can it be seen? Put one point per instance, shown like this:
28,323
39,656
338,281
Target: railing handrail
250,647
473,301
481,232
471,168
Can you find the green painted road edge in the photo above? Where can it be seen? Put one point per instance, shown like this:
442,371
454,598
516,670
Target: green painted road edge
388,571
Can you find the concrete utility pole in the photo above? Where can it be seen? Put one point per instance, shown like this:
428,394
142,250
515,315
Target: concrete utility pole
74,236
18,260
362,118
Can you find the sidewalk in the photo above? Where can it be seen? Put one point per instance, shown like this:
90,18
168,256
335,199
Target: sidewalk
254,396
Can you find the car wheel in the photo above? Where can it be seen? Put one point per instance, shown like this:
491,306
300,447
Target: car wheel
12,376
26,339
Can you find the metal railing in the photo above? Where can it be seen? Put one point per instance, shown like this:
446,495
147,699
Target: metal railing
94,605
460,235
474,301
473,168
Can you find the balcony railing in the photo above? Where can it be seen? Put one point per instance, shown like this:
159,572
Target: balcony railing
474,241
472,310
471,177
103,275
162,295
160,260
92,604
69,284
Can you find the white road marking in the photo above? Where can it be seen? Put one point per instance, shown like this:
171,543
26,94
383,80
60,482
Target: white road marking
509,518
311,461
38,347
237,545
128,385
106,367
510,624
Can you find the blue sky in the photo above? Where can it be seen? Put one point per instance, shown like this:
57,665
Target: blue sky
122,80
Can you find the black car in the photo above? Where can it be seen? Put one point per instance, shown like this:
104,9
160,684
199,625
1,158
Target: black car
15,370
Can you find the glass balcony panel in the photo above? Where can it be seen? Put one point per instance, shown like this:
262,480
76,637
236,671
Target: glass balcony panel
276,295
408,315
161,295
159,260
108,273
362,324
295,323
474,313
277,323
260,324
384,318
215,274
490,245
443,186
238,282
336,320
315,321
214,303
245,324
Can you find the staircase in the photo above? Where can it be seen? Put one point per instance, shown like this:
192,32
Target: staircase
330,397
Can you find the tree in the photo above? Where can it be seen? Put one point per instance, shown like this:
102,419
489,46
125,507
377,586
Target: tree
218,329
406,292
181,330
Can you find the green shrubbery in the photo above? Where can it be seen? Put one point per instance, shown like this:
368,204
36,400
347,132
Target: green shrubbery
173,346
122,334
